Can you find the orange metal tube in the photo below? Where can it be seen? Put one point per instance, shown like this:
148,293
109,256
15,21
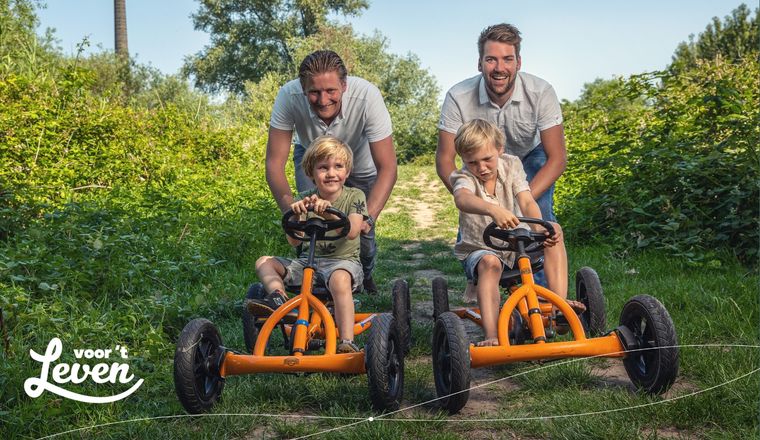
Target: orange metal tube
236,364
329,325
606,346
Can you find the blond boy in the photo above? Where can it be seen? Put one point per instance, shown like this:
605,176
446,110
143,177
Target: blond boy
491,186
327,162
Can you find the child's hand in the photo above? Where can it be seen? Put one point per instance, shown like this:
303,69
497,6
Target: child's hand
320,205
504,218
300,207
554,239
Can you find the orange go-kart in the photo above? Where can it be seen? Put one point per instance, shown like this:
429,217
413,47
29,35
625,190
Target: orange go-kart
202,363
533,316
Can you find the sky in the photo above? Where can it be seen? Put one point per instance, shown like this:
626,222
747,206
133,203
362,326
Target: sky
568,43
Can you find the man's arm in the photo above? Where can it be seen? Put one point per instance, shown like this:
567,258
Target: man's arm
553,139
444,157
384,155
278,148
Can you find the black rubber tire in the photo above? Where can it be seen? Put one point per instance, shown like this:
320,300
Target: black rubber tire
516,328
440,297
196,362
384,361
451,362
403,313
588,290
653,369
250,329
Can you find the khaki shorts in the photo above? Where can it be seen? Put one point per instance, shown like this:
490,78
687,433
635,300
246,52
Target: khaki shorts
324,270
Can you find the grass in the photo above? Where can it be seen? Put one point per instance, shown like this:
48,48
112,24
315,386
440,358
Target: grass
716,305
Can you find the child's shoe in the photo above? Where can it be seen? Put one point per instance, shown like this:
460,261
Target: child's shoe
265,306
347,346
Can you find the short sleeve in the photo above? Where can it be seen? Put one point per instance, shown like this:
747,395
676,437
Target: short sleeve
462,180
451,115
282,114
518,177
549,110
358,204
379,124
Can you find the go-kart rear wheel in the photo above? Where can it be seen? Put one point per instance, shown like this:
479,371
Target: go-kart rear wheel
440,297
588,290
384,360
196,366
250,330
451,362
652,365
402,312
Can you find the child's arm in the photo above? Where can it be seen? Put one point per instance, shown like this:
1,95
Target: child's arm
530,208
356,221
468,202
298,208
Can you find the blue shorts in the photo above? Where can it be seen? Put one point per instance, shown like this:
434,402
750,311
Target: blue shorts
470,263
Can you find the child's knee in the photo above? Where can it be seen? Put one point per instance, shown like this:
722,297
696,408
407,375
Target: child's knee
340,282
489,263
264,261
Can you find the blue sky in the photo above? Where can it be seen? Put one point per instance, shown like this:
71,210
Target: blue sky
568,43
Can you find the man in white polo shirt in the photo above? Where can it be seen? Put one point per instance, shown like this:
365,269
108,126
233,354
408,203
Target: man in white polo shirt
524,106
324,100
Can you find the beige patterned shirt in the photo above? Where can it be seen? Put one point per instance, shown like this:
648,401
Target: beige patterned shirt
510,180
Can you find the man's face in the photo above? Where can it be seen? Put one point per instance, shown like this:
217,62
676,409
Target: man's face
483,162
499,66
324,92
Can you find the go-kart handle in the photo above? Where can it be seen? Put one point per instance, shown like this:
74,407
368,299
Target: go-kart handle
316,226
531,241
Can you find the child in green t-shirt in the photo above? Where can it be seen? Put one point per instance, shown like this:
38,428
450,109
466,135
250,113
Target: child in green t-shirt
327,162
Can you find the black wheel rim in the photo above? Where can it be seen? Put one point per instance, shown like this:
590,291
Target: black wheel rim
443,362
206,380
646,358
394,368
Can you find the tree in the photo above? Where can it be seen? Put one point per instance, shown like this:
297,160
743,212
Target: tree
120,28
733,39
250,37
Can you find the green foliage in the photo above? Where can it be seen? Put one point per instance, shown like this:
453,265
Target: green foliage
667,161
735,38
250,38
410,92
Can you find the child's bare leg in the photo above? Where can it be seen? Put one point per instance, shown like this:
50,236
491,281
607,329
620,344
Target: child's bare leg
271,273
555,265
489,273
340,289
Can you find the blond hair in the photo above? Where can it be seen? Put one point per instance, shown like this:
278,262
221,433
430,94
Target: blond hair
477,134
326,147
503,33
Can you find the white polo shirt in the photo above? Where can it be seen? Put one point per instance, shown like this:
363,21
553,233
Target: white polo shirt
363,119
533,107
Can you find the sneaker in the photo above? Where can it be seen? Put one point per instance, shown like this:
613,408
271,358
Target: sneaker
347,346
265,306
369,286
578,307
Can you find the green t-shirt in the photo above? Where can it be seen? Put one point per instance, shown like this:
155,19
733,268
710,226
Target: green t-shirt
350,201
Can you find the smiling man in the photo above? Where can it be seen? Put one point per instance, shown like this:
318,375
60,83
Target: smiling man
524,106
324,100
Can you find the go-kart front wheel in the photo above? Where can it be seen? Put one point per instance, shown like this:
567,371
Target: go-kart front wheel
402,312
588,290
196,366
384,361
451,362
652,365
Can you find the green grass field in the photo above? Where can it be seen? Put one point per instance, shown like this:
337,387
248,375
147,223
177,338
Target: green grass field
715,311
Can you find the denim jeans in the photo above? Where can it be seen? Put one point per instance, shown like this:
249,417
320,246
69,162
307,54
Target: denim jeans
532,163
368,245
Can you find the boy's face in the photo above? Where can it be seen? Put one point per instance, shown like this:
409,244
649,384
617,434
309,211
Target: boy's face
329,175
483,162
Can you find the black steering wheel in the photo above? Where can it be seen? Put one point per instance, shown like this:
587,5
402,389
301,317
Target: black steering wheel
532,241
316,226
